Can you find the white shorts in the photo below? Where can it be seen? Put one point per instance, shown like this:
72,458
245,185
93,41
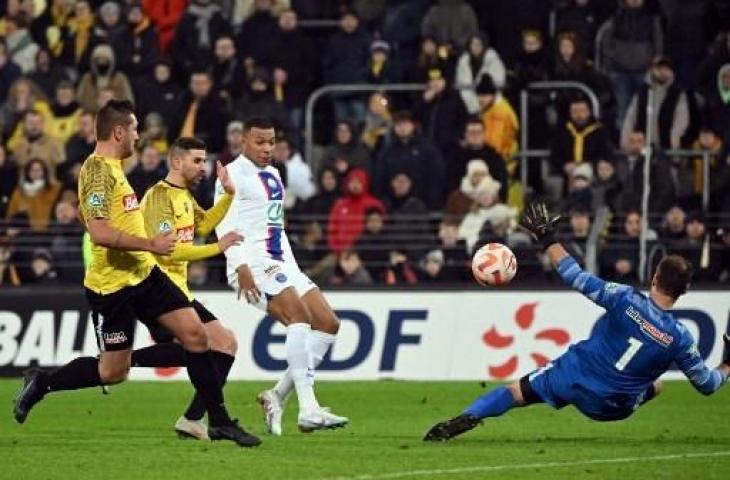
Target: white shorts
272,277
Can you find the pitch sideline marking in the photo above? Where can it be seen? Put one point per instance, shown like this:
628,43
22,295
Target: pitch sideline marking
496,468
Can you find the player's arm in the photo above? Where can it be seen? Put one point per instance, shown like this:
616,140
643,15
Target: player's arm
96,191
706,380
538,222
207,220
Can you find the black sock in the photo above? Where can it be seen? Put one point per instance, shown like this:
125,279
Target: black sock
169,354
223,363
82,372
203,375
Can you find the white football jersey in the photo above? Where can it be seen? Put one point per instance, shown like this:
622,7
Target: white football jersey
257,213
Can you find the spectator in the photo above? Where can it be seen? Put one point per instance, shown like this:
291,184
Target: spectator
673,226
300,185
110,29
294,59
8,180
499,118
685,39
159,93
441,114
583,140
431,268
619,260
20,46
690,173
582,18
102,74
723,254
374,244
42,269
378,122
350,271
166,15
35,195
462,199
695,247
718,55
345,61
477,61
10,273
450,22
9,71
35,143
347,218
148,172
508,20
260,25
311,252
234,140
607,186
347,152
627,44
486,208
24,96
81,144
409,219
457,264
228,73
320,205
400,271
410,152
717,109
140,45
671,104
66,113
259,99
576,239
80,28
155,133
48,74
402,29
198,273
195,35
579,193
201,113
431,57
474,146
65,243
720,186
380,68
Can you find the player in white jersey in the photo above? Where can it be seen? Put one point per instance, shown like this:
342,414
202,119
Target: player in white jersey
263,270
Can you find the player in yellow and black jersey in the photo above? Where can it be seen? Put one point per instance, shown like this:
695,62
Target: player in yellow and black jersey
123,283
169,208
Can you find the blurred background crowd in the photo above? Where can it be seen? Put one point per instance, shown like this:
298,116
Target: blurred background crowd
398,186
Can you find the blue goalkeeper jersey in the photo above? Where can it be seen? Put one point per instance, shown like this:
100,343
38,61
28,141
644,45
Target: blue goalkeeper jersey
633,343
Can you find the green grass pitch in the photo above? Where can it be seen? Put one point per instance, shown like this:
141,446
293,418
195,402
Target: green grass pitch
128,434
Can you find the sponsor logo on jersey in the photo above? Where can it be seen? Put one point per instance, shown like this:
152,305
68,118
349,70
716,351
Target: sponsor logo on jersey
130,202
271,270
186,234
281,278
663,338
115,337
95,200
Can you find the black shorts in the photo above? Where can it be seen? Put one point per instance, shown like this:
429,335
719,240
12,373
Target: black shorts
162,335
115,314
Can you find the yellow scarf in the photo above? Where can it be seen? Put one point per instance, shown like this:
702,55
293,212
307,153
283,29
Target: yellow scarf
81,29
579,137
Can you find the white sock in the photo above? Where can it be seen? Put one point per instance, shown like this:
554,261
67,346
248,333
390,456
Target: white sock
319,343
298,357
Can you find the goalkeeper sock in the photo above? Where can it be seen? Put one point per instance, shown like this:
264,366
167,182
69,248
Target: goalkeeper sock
223,363
492,404
170,354
82,372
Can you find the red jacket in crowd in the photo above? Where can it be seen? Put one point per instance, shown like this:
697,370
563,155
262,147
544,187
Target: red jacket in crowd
165,14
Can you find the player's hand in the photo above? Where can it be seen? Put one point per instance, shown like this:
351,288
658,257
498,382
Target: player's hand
226,181
163,244
539,224
228,240
246,285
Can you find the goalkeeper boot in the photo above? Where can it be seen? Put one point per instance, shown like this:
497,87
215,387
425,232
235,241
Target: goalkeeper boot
31,393
449,429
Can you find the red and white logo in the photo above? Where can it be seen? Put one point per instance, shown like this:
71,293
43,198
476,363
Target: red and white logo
130,202
524,318
185,234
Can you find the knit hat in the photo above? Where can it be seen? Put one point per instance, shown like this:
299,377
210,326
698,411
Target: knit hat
476,165
584,171
380,46
486,86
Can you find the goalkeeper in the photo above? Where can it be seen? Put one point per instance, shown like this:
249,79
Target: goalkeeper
609,375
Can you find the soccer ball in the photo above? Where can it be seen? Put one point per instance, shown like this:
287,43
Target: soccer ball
494,264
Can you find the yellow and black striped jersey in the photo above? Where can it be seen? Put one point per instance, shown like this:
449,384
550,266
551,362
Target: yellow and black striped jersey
168,208
105,193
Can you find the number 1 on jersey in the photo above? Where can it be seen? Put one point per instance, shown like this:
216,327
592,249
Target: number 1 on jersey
634,346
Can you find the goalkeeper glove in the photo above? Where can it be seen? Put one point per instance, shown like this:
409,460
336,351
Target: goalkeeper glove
537,221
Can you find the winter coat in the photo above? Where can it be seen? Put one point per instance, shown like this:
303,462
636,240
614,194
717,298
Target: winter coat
450,21
295,53
140,49
254,39
191,48
442,119
629,40
346,57
491,65
211,120
93,80
166,15
574,144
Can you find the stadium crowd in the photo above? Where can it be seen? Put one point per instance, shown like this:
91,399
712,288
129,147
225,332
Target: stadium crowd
402,186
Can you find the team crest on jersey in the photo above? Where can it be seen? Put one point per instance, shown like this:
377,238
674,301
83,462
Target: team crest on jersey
165,227
281,278
185,234
95,200
130,202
